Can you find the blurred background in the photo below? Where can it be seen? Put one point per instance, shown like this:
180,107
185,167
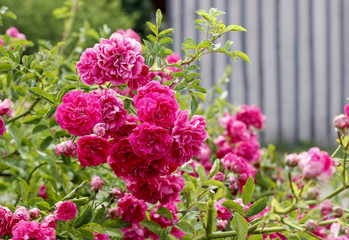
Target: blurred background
299,51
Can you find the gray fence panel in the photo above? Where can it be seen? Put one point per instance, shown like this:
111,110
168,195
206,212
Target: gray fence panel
299,56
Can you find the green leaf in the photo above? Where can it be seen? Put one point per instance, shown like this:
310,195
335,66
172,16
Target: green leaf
192,68
165,40
178,75
153,28
228,45
42,94
85,217
51,111
5,67
164,212
205,44
51,193
240,225
201,172
235,28
152,226
255,237
247,191
44,206
194,104
230,204
11,14
45,143
152,38
21,188
200,95
166,32
32,119
75,235
186,227
214,169
257,207
243,56
94,227
39,128
158,17
198,88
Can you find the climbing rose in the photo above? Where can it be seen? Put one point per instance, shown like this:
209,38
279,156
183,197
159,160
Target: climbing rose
251,116
145,189
2,127
21,213
99,129
67,148
5,106
50,221
142,79
150,141
132,209
88,68
79,112
13,32
101,236
34,213
326,207
341,121
152,87
222,212
134,232
317,164
113,113
92,150
32,230
96,183
117,193
66,211
42,192
189,136
5,216
164,222
129,33
124,161
158,109
169,188
1,41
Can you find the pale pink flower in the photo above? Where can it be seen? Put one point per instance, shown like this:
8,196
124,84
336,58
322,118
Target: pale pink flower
96,183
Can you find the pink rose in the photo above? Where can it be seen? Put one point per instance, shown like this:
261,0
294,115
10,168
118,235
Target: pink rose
251,116
237,131
1,41
66,211
158,109
140,81
5,106
132,209
317,164
2,127
32,230
222,212
164,222
113,112
134,232
150,141
341,121
67,148
114,212
88,68
124,161
101,236
169,188
6,217
92,150
79,112
50,221
21,213
42,192
151,87
326,207
129,33
34,213
205,154
189,136
96,183
249,150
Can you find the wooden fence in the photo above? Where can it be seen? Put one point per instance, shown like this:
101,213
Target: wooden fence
299,51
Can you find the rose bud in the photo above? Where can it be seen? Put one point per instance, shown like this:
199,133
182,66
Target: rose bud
291,160
341,121
96,183
99,129
34,213
311,225
326,207
114,212
117,193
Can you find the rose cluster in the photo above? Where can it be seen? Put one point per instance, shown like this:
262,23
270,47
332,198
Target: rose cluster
22,225
5,108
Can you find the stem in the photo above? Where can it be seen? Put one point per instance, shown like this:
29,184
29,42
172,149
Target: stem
36,168
335,152
210,206
292,190
25,113
344,174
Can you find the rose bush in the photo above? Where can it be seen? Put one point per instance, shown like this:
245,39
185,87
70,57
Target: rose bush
120,146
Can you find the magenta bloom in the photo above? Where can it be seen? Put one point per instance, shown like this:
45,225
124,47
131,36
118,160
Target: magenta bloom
341,121
124,161
5,106
133,210
317,164
158,109
237,131
249,150
5,216
222,212
145,189
152,87
129,33
79,112
169,188
50,221
189,136
134,232
88,68
21,213
205,154
140,81
2,127
119,58
66,211
113,112
164,222
34,213
92,150
67,148
150,141
251,116
101,236
32,230
13,32
96,183
1,41
42,192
